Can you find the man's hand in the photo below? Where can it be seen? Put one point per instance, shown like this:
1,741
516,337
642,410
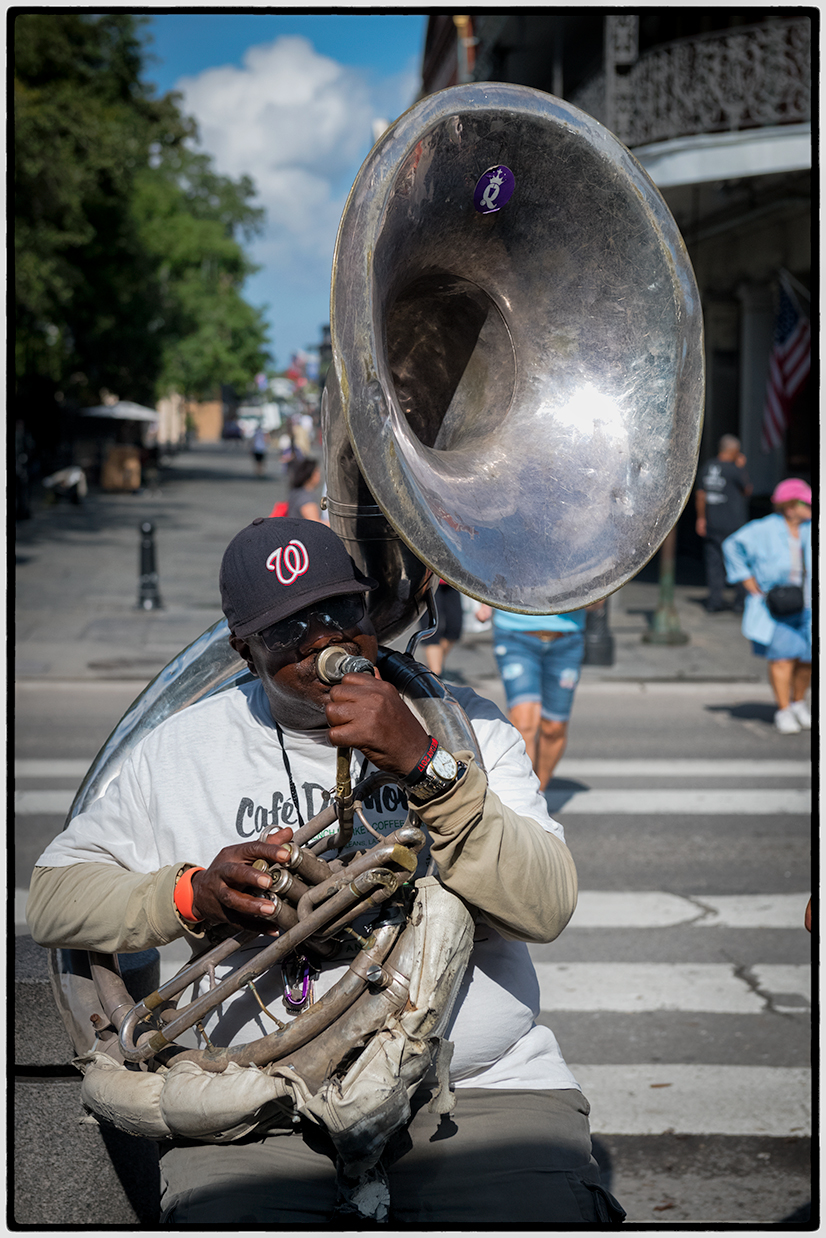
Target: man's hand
701,526
366,713
222,891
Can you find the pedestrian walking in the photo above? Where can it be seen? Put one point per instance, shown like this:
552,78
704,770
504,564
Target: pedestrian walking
286,450
539,660
773,559
448,629
723,487
259,451
303,499
302,430
69,483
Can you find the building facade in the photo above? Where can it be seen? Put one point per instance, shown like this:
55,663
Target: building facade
716,106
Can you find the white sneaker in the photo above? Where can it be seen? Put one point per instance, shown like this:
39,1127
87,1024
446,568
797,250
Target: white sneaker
786,721
801,711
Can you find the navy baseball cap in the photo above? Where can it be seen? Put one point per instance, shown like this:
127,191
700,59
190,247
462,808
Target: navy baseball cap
277,566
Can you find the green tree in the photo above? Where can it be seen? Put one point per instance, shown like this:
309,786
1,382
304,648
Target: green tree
77,140
188,219
129,266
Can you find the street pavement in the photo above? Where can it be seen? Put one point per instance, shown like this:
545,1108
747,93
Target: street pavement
680,992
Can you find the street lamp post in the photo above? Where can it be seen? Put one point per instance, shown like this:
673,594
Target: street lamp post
665,626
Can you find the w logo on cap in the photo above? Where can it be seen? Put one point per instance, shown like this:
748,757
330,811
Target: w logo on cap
289,562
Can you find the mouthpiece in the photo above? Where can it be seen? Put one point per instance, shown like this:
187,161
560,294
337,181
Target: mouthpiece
333,663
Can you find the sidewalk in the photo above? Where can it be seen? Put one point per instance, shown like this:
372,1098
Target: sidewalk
77,587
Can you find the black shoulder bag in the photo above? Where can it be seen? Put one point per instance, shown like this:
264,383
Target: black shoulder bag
785,600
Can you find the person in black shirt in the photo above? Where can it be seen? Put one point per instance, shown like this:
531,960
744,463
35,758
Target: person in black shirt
723,487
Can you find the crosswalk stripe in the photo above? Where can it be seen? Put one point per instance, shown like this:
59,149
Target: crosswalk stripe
636,988
603,802
747,911
30,803
51,769
658,909
667,802
571,767
650,909
789,981
683,767
697,1100
664,802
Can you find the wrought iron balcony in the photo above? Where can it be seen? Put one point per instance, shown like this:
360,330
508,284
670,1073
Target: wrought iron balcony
745,78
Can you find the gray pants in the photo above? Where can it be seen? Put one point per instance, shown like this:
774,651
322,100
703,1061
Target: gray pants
716,573
501,1157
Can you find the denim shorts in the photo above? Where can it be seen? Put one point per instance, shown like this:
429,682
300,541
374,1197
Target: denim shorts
792,639
533,669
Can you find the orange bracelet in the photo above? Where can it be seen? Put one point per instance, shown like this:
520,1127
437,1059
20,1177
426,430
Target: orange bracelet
183,894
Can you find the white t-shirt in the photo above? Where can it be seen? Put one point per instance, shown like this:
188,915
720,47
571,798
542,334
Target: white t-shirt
214,775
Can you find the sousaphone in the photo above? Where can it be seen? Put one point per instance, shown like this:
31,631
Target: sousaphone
514,406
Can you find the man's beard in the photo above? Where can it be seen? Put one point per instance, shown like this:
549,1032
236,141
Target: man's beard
290,708
297,713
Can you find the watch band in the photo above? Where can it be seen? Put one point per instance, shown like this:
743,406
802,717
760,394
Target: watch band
418,771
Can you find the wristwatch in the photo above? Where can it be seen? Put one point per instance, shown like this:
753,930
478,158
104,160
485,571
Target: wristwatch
438,776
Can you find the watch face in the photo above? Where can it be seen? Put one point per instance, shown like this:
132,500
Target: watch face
443,765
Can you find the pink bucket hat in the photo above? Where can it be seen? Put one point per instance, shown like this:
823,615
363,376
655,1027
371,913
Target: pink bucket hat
790,489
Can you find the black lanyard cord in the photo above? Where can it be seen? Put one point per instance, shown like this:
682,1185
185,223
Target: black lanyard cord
289,772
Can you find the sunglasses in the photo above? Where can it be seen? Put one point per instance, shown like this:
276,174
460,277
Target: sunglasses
343,614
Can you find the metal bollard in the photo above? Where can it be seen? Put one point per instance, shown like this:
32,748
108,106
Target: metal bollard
149,597
599,643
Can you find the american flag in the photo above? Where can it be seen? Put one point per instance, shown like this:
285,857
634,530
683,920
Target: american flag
789,366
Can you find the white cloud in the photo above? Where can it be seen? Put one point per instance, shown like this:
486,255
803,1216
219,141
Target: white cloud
299,124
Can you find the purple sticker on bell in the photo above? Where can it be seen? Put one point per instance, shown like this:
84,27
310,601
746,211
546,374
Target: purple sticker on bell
493,189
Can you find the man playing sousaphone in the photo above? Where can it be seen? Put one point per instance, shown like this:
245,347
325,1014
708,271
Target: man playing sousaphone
168,852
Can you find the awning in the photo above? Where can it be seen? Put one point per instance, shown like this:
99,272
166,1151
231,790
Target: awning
124,410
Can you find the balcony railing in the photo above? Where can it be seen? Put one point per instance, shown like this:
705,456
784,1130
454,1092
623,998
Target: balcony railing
741,79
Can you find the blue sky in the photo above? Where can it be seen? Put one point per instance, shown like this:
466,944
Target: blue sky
290,99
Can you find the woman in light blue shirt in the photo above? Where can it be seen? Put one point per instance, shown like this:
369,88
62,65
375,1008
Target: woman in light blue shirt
777,550
539,658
